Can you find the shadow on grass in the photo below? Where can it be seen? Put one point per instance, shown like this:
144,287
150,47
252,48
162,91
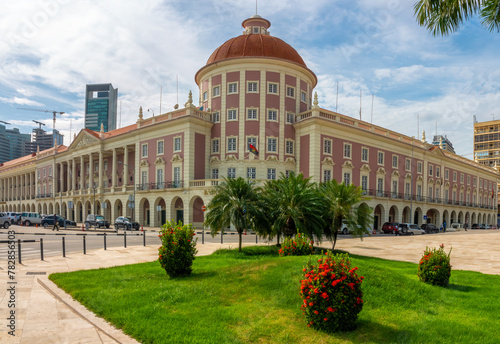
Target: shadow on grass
368,331
462,288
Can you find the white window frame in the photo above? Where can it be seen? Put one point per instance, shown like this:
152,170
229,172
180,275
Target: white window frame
290,117
105,167
431,170
215,144
290,92
407,164
216,117
205,96
144,150
419,167
347,150
327,146
327,175
438,172
160,178
230,143
272,142
289,147
380,158
160,144
232,87
231,172
364,182
177,144
272,115
272,88
303,97
250,85
347,178
232,115
215,173
251,173
254,117
216,91
363,157
177,175
271,174
395,161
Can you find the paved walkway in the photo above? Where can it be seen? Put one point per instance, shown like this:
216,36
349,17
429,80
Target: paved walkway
45,314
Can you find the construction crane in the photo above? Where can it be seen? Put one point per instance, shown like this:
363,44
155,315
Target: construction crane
54,118
39,124
4,122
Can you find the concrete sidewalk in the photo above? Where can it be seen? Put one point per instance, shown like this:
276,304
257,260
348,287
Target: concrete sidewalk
45,314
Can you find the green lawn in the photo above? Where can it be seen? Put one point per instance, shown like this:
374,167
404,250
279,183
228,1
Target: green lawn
253,297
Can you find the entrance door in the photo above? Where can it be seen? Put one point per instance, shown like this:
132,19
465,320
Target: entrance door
180,216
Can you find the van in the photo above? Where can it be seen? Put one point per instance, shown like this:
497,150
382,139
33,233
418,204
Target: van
455,227
29,219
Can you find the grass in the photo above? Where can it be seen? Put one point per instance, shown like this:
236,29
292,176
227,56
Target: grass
253,297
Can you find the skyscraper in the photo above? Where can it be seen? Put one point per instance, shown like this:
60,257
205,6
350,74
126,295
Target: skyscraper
100,106
13,144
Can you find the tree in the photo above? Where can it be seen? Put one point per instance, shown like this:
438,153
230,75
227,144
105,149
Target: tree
295,205
236,202
442,17
341,201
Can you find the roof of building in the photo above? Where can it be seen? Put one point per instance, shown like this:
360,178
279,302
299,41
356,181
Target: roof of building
256,45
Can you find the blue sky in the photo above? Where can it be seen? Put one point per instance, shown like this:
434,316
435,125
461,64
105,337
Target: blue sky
51,48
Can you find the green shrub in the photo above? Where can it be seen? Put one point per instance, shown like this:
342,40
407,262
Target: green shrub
178,248
434,266
296,246
331,293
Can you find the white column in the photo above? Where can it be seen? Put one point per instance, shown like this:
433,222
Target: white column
101,163
73,175
113,172
91,172
125,178
82,174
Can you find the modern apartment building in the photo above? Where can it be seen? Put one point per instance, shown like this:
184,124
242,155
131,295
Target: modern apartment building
101,103
443,142
487,143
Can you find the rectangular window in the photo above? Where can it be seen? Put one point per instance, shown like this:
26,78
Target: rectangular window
419,192
272,115
347,150
380,185
438,172
251,141
205,96
289,147
231,172
347,178
446,174
437,193
394,188
364,183
177,175
364,154
96,167
290,92
177,144
272,88
430,192
216,91
159,178
231,144
159,147
430,170
252,114
407,190
454,176
215,117
327,175
394,161
272,145
251,173
215,173
215,146
144,178
271,173
327,146
252,87
303,97
475,181
144,150
232,88
290,117
419,167
380,159
231,115
407,164
461,178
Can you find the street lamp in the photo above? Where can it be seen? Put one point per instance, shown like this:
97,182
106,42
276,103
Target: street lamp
133,202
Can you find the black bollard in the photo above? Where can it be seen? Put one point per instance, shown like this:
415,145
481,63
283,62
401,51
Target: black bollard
41,248
19,250
64,247
125,239
84,245
105,242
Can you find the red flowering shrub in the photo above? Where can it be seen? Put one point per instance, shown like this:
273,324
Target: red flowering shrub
435,267
178,248
331,293
296,246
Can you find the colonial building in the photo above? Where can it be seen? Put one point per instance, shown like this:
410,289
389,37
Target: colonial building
256,90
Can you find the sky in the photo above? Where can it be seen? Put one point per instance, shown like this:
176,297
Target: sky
50,49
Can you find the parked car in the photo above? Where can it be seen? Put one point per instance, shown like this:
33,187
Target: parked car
48,221
126,223
96,221
12,217
409,229
17,219
4,220
429,228
390,228
30,218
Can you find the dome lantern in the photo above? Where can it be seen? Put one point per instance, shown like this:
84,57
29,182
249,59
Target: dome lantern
256,25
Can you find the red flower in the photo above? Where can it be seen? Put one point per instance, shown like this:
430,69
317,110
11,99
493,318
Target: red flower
324,295
316,312
325,319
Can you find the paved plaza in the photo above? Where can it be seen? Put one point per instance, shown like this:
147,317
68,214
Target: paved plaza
45,314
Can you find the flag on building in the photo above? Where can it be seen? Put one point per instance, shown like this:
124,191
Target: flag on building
253,149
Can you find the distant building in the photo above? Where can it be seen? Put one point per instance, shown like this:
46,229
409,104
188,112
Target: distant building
101,107
41,140
443,143
13,144
487,143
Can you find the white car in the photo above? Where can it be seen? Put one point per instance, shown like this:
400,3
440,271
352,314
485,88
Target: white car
409,229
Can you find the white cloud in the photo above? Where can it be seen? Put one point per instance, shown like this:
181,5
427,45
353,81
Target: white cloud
20,101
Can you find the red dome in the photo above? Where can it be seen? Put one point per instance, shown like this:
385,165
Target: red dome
255,45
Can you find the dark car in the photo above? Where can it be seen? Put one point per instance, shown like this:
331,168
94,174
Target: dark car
430,228
48,221
126,223
390,227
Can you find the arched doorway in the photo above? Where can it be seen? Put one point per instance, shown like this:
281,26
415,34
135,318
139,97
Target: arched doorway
460,217
118,208
453,218
106,211
178,209
406,215
432,216
378,217
417,216
160,212
393,214
198,213
144,213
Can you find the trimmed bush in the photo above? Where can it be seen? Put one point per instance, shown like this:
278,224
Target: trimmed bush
296,246
178,248
435,267
331,293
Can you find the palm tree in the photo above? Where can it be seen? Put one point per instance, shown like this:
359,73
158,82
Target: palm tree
236,202
341,203
295,205
442,17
